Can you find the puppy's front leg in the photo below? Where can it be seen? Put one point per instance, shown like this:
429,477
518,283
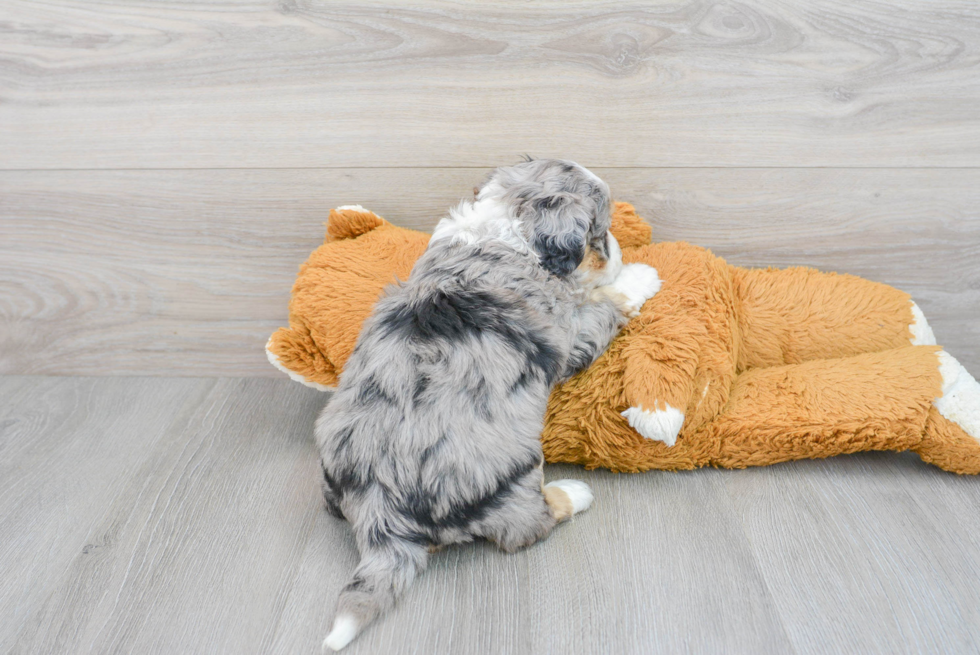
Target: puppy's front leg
635,284
610,307
598,322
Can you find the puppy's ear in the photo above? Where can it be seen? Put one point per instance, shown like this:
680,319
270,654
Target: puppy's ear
559,226
560,254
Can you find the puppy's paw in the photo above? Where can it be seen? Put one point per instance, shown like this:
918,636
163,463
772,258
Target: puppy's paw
577,491
658,425
637,283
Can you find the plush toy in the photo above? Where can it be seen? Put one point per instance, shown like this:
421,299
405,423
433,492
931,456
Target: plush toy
725,366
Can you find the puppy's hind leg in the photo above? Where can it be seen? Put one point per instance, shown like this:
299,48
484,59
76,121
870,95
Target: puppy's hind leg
331,496
533,509
566,498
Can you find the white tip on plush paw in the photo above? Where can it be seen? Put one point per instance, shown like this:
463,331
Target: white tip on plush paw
922,334
960,401
638,282
343,632
578,492
659,425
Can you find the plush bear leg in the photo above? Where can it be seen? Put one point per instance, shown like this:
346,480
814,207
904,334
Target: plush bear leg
795,315
874,401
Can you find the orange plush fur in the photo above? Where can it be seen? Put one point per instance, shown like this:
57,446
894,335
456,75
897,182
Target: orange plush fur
766,365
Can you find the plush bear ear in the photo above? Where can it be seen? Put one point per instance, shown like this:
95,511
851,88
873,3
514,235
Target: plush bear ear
351,221
335,290
629,229
294,351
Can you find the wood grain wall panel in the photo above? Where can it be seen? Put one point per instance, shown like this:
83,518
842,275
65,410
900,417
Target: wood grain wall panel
188,272
302,83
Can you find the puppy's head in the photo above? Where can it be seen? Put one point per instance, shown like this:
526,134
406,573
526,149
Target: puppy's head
565,214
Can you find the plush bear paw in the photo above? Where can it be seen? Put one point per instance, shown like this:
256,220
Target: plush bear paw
960,401
659,425
922,334
637,283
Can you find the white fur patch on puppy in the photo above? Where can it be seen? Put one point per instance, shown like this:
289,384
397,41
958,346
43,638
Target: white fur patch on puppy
639,283
343,632
614,262
960,402
578,492
658,425
486,218
356,208
921,332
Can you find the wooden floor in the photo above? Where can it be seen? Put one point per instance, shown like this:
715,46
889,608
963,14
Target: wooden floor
166,167
156,515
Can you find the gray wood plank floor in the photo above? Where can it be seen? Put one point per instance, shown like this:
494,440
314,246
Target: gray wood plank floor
165,515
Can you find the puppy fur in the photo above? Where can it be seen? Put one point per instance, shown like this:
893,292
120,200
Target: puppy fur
432,436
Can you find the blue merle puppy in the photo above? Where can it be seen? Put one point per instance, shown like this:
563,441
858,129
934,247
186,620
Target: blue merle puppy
433,434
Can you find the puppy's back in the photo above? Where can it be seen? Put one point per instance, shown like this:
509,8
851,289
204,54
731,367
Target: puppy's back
444,392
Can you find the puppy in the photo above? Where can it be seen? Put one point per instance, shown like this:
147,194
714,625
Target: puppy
432,436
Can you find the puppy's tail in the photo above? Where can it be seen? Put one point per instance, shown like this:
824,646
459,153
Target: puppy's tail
386,570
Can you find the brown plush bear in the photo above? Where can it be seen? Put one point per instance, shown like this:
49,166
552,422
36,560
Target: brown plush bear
724,366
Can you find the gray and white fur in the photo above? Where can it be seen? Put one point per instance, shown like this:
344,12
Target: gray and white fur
433,434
